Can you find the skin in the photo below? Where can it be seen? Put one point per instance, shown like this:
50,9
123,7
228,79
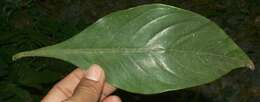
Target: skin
82,86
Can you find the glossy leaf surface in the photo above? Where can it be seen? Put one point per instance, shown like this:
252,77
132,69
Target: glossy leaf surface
152,49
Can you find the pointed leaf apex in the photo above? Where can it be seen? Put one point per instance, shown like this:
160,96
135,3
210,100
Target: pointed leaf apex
21,55
251,65
17,56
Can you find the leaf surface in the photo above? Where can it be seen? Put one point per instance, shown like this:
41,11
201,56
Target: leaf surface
152,49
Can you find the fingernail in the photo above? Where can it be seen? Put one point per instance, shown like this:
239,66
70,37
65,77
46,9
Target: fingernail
94,73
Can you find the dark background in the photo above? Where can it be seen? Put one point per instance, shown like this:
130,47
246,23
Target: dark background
31,24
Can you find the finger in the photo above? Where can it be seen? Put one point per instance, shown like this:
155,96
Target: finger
64,89
107,90
112,99
90,86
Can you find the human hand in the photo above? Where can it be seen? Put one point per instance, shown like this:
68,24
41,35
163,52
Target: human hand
82,86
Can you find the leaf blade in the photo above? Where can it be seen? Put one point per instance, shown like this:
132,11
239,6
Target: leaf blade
148,44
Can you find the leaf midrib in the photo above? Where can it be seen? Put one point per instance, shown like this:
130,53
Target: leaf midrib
40,52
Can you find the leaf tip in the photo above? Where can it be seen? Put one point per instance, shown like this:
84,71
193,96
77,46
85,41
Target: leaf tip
251,65
19,55
16,56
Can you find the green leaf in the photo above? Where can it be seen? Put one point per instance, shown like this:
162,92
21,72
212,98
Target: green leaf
152,49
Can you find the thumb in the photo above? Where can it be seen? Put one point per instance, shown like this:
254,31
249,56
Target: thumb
90,86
